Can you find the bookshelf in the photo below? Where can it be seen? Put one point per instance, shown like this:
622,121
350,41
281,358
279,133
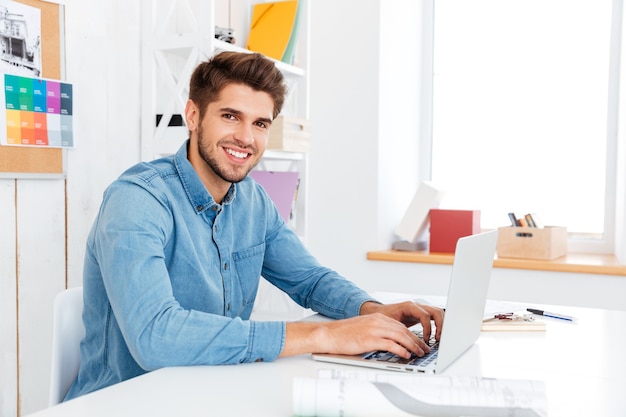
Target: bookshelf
176,37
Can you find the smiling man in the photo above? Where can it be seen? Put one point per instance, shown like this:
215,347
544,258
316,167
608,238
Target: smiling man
175,255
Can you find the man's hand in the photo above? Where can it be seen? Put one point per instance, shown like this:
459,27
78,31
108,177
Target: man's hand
409,313
379,327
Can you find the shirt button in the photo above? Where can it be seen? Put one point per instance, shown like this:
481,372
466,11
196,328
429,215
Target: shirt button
214,208
199,208
259,360
225,266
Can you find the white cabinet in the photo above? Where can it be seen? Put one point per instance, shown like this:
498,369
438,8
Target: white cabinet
177,35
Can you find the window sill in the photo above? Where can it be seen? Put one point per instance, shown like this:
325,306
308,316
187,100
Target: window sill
573,262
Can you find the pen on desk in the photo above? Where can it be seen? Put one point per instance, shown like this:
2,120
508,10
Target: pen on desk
548,314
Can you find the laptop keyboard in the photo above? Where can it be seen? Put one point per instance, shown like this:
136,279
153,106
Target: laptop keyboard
384,356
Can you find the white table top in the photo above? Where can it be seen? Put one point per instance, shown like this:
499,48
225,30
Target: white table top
581,363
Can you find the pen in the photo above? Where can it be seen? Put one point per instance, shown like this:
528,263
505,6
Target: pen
548,314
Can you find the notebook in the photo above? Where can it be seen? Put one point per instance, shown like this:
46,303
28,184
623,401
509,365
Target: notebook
465,305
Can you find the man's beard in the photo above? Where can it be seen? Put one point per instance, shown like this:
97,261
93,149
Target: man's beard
212,161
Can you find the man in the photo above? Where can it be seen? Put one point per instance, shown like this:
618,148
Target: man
174,258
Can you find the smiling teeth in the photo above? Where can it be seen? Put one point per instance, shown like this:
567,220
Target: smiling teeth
236,154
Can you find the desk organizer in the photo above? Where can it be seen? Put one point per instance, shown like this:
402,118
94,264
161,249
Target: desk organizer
289,134
545,243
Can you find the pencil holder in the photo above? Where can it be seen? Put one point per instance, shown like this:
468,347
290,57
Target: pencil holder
545,243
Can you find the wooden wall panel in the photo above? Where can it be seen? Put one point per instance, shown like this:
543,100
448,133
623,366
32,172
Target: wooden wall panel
8,303
40,276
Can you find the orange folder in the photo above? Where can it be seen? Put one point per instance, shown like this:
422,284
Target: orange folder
271,28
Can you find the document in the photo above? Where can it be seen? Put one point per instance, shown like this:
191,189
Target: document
374,394
514,324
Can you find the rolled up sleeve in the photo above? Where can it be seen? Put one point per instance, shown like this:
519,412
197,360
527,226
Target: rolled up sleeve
266,341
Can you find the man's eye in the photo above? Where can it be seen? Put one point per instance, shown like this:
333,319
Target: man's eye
228,116
262,125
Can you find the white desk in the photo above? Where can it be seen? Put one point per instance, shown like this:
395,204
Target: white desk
579,382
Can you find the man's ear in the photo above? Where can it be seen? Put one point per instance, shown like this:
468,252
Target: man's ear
192,115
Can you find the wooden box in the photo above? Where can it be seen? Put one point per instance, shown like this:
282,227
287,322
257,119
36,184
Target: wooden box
289,134
545,243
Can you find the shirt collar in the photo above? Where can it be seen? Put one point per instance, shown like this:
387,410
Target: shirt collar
197,193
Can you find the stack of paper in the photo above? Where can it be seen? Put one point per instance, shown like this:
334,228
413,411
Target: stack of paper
512,325
274,29
492,309
369,394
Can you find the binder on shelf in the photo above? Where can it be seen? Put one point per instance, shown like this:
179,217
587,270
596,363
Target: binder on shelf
414,224
273,29
281,186
290,51
448,226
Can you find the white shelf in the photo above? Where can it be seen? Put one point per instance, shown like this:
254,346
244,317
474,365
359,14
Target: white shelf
175,40
286,69
283,155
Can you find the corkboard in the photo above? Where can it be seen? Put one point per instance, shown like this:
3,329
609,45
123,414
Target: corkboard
32,160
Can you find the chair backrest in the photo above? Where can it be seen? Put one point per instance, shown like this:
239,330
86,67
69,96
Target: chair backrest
67,332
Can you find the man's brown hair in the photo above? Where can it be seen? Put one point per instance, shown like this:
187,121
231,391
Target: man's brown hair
251,69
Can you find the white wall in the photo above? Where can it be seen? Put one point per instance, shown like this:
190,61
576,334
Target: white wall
365,122
103,48
362,163
344,105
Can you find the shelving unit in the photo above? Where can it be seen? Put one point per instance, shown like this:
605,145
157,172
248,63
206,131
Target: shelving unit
180,34
177,36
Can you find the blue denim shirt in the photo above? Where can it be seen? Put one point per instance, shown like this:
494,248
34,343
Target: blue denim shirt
170,276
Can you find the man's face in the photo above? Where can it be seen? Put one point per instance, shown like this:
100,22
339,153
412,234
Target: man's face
233,134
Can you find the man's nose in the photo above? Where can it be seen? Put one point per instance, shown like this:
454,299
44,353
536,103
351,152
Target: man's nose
243,134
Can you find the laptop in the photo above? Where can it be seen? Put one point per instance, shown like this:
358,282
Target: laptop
464,313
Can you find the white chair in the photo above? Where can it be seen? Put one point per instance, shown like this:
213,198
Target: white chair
67,331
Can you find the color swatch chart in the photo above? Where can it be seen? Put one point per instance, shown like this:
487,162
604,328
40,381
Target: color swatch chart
38,112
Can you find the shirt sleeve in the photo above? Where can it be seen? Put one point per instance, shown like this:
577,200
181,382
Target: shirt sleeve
158,332
292,268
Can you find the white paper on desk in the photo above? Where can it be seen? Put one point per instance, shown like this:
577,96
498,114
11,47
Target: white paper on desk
375,394
492,307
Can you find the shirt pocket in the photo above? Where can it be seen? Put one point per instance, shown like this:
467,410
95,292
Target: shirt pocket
248,263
